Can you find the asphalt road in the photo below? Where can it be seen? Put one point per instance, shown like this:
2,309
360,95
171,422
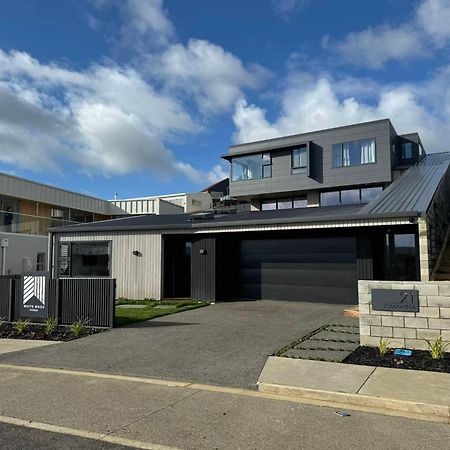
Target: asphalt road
226,344
14,438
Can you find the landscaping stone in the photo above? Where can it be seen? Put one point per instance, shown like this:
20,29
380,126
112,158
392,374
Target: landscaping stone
326,345
318,355
336,336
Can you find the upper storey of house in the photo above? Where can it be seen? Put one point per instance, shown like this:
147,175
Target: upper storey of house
312,169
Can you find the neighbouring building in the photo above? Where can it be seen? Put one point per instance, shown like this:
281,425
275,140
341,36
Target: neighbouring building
330,207
27,211
166,204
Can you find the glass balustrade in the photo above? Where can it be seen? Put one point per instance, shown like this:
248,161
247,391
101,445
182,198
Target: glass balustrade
11,222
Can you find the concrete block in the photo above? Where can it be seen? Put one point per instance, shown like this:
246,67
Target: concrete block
402,285
364,330
409,333
439,324
427,289
416,344
416,322
444,313
363,287
438,300
444,288
364,309
446,337
381,331
396,343
370,341
392,321
431,335
403,314
365,299
369,320
429,311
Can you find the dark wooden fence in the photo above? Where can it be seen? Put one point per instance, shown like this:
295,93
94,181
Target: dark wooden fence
69,300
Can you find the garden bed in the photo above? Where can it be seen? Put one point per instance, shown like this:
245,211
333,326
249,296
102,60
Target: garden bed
37,332
419,360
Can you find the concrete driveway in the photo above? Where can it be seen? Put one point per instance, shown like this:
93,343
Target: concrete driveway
225,344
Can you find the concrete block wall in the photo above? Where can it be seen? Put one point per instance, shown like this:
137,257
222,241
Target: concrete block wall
424,253
403,329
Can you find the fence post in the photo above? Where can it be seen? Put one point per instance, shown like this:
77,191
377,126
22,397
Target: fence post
57,294
12,299
112,299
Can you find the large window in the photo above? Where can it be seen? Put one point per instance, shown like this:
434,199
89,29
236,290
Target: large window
84,259
299,160
407,150
354,153
349,196
251,167
288,203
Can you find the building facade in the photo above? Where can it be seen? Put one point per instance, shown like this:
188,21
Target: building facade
329,208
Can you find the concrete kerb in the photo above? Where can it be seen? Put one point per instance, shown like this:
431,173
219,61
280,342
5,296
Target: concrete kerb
369,392
359,402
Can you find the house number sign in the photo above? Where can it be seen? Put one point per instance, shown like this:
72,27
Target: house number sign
401,300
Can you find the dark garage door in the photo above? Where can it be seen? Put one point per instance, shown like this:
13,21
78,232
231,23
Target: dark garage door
309,269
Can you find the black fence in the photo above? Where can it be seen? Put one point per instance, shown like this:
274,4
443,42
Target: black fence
69,300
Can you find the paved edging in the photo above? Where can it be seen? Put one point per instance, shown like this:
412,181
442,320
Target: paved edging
380,405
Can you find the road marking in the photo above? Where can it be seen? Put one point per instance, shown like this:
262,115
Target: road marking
84,434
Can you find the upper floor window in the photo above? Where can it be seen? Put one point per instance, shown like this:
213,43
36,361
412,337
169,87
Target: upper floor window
299,160
349,196
251,167
407,152
288,203
354,153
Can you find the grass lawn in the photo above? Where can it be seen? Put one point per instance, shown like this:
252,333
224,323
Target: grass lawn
126,315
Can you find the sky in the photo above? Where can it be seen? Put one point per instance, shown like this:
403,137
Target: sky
142,97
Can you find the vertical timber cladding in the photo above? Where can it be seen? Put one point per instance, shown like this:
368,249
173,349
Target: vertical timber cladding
311,269
203,269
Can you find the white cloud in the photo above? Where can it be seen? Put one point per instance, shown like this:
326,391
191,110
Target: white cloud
212,76
145,23
286,9
217,173
312,103
373,47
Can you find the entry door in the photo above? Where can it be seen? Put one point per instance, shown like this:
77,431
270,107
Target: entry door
401,256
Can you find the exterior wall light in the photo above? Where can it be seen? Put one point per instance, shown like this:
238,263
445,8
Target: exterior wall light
137,253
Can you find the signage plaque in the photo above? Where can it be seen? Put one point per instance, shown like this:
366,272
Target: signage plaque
34,299
400,300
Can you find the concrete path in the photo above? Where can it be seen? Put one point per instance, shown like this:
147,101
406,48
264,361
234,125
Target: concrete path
226,344
401,392
146,413
16,345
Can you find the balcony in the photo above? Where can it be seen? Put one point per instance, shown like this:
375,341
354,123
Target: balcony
11,222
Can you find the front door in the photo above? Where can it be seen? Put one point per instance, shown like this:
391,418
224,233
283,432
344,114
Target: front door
401,256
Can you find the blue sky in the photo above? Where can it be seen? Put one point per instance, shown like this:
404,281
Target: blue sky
141,97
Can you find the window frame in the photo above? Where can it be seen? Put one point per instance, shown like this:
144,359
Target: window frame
263,165
341,145
297,170
339,191
70,244
410,146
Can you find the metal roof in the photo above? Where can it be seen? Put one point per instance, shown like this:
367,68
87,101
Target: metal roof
414,190
195,221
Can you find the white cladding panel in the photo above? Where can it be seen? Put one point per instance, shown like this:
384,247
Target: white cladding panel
137,277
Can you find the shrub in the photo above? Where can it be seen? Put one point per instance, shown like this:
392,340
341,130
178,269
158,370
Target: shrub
50,325
383,346
21,326
2,321
78,328
437,348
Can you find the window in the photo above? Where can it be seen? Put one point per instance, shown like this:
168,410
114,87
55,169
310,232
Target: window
407,150
299,160
285,204
84,259
354,153
349,196
251,167
368,194
40,262
300,203
268,205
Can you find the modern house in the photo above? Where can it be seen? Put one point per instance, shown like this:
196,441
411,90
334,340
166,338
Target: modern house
329,207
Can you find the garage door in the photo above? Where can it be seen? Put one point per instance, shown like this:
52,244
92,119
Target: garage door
309,269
